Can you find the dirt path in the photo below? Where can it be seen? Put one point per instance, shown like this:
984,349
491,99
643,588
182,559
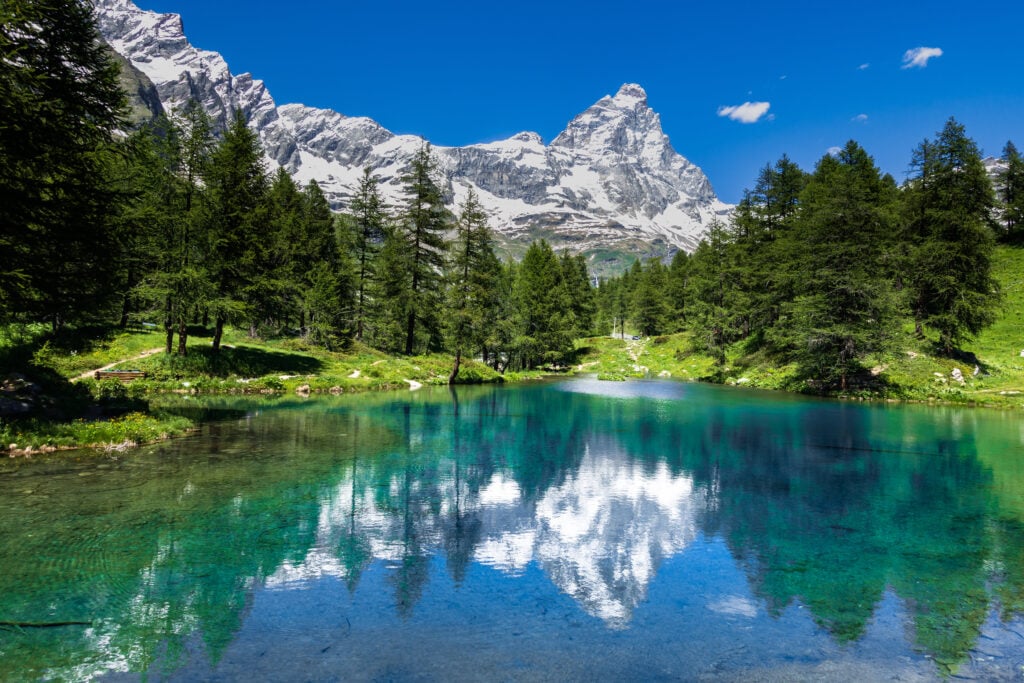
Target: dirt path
635,349
87,375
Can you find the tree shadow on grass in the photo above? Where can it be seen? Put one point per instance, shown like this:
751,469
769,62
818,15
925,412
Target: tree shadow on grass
239,361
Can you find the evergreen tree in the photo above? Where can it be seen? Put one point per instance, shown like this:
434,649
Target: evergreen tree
950,207
677,277
389,293
581,294
760,262
328,321
650,299
277,295
367,239
500,330
844,306
472,273
709,292
165,268
1011,193
234,220
544,320
424,224
60,105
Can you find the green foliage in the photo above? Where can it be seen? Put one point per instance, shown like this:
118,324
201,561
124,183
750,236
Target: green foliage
710,292
421,235
543,311
844,305
472,275
60,105
232,220
366,237
949,204
1011,194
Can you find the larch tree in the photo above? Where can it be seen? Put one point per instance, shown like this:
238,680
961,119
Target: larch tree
60,104
1011,195
367,238
844,304
473,270
543,311
709,292
950,206
424,224
236,184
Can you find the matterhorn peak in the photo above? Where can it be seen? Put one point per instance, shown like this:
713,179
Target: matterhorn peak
631,94
610,184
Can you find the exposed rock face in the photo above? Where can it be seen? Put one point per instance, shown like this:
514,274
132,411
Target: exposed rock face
143,100
608,185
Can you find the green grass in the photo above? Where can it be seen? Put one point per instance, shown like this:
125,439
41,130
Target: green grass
40,435
116,413
913,371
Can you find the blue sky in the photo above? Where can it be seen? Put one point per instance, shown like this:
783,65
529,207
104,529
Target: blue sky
465,72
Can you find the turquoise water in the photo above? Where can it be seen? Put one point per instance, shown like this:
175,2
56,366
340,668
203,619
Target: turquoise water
574,530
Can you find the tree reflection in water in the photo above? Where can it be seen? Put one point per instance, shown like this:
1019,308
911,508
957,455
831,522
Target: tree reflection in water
823,505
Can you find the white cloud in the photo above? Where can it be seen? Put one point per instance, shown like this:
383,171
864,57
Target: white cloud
919,56
864,66
833,151
748,112
860,118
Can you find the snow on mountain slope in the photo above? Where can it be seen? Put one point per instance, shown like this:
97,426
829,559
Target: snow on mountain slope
610,185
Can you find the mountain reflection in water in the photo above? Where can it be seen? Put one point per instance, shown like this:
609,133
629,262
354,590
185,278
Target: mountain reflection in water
897,529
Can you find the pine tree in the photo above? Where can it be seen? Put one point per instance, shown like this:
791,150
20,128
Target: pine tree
277,295
389,293
650,299
760,256
234,220
950,203
543,317
472,273
60,105
157,228
1011,193
709,292
328,272
844,305
678,271
367,239
424,224
581,293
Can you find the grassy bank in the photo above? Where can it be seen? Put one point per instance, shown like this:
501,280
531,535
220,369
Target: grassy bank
46,404
991,366
52,400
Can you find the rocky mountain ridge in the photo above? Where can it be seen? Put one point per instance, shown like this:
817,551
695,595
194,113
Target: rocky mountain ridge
610,185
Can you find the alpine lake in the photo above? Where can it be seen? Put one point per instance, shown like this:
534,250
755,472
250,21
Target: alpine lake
563,530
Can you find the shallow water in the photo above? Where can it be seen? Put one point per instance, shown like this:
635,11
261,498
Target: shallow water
559,531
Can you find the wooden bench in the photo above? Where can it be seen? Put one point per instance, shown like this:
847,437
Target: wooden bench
123,375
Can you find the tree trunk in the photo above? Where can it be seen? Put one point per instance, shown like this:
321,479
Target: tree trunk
410,333
455,368
168,327
218,332
182,338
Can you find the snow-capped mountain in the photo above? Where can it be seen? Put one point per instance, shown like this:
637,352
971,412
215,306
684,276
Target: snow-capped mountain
609,184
